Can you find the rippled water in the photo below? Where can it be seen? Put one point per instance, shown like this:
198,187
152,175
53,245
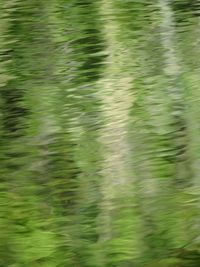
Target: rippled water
100,133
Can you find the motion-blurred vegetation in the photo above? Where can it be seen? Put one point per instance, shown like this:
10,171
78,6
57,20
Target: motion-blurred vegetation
100,133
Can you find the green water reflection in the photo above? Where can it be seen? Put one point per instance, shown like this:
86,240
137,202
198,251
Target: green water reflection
100,133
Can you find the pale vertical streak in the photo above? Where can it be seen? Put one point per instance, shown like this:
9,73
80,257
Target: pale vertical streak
172,67
176,95
175,90
114,92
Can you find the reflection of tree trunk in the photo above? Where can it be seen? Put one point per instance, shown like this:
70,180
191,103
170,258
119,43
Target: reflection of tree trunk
178,137
168,33
175,91
116,100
